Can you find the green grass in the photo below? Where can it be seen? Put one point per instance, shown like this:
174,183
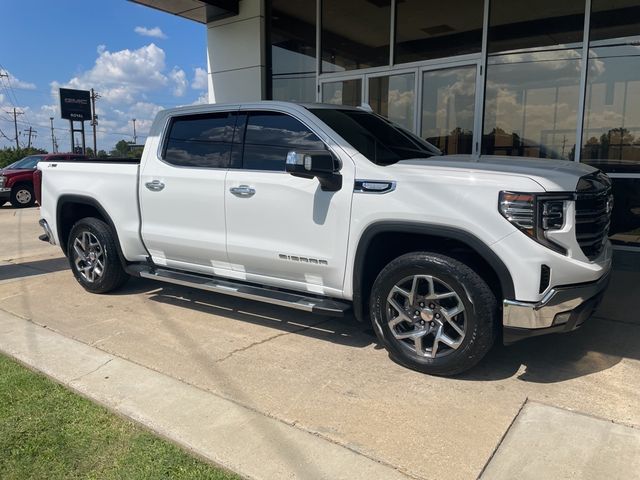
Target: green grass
48,432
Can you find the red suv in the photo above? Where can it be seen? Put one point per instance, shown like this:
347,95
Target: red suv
16,180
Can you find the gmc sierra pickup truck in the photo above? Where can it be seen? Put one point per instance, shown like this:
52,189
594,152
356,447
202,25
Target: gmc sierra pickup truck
326,209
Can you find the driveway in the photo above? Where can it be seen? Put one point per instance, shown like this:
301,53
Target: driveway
329,376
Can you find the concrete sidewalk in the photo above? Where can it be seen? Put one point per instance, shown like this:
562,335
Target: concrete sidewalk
221,431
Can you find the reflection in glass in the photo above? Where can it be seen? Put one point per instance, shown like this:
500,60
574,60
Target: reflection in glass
355,34
425,30
522,24
393,97
625,220
611,131
531,104
345,92
448,102
293,50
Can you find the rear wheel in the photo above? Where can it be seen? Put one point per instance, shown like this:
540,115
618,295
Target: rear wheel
22,196
433,313
93,256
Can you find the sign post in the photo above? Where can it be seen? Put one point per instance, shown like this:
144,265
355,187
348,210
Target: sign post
75,106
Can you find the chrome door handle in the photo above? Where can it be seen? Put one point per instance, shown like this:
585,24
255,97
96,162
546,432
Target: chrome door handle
243,191
154,186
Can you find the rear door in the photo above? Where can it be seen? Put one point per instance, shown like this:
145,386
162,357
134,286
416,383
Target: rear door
284,230
182,193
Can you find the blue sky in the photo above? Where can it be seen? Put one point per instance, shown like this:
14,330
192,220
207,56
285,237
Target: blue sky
139,59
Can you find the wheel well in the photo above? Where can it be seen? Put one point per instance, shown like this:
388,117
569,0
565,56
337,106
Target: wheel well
389,245
69,213
21,183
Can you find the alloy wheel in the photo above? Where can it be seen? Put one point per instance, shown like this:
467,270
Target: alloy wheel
23,196
426,316
88,256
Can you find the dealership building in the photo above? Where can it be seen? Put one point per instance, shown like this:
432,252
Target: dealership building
543,78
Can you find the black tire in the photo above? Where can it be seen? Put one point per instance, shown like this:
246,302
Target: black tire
23,196
479,320
107,274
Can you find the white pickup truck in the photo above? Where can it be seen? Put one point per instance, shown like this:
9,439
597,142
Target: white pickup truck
329,209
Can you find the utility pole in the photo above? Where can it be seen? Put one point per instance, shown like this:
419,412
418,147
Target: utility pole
94,120
15,123
134,131
31,132
53,139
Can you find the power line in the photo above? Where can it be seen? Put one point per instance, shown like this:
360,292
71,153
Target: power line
15,124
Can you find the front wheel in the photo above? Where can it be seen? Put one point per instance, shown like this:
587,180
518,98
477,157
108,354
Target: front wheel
22,196
433,313
93,256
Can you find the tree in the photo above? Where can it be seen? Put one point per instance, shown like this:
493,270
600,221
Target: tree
11,155
102,154
126,149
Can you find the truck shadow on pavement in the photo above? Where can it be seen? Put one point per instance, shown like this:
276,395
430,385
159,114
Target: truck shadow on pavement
37,267
599,345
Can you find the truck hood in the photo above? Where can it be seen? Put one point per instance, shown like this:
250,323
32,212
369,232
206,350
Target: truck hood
14,171
552,175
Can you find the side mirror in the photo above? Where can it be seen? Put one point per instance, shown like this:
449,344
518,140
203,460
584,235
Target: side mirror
321,164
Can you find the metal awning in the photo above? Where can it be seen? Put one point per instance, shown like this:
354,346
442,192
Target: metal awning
202,11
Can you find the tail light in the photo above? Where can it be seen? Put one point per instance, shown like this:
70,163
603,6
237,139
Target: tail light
37,185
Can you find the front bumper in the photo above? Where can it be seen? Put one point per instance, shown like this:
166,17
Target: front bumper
561,310
47,236
5,194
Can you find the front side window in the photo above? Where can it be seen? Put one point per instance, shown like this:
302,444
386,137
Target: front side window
202,140
374,137
269,136
25,163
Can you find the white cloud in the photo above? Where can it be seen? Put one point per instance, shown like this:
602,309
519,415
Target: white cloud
179,79
15,82
200,79
154,32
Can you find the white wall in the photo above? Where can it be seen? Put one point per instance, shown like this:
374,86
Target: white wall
236,55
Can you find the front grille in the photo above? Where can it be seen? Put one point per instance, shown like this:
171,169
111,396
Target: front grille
593,213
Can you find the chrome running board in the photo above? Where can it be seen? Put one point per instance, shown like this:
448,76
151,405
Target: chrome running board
320,306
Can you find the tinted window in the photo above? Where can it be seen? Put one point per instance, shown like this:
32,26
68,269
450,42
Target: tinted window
355,34
375,138
200,140
269,136
427,29
26,163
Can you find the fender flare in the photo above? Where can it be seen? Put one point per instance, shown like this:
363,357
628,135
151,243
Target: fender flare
463,236
92,202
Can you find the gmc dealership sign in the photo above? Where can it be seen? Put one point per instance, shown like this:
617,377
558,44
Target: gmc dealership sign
75,104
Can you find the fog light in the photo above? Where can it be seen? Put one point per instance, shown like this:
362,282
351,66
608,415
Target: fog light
561,318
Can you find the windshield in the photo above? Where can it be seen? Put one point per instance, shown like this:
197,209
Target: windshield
25,163
376,138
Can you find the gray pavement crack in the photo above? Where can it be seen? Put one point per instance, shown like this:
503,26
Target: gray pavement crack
80,377
268,339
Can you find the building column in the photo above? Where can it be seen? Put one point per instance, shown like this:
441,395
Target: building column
236,55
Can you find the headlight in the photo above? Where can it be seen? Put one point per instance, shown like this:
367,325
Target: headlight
3,179
535,214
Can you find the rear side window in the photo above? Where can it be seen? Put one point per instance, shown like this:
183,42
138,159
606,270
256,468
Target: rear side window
202,140
269,136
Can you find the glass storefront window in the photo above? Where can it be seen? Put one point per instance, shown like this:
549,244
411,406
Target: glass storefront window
531,104
611,131
522,24
293,50
355,34
448,104
426,29
393,97
343,92
625,217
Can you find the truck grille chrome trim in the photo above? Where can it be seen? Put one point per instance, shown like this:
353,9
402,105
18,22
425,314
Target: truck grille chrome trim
594,202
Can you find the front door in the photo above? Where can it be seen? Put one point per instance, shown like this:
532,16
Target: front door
284,230
182,194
